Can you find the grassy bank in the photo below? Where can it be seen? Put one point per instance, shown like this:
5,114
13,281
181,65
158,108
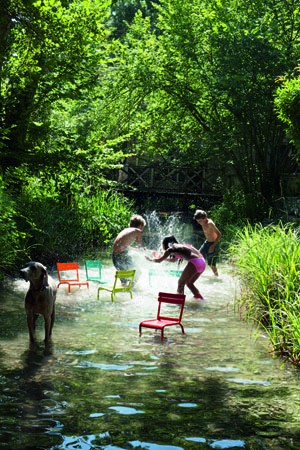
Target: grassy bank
267,260
42,223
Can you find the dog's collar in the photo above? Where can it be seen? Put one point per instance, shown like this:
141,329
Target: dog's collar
38,290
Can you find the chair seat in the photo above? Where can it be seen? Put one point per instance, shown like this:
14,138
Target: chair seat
159,323
166,300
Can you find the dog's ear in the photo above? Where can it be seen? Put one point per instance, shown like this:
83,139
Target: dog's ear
45,277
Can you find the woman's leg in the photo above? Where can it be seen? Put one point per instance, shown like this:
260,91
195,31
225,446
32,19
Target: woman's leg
188,277
192,287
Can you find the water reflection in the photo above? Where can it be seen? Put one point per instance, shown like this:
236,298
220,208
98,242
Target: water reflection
101,386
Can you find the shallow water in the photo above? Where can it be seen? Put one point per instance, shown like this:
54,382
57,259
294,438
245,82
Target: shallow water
101,386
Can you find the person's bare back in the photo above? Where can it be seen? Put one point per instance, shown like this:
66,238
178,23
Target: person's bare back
126,238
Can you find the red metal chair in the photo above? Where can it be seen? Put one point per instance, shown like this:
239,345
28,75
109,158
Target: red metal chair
68,273
162,320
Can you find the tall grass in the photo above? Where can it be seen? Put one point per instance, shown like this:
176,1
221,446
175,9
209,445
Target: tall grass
66,220
267,260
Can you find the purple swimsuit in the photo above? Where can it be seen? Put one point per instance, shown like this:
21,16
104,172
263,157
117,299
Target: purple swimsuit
199,264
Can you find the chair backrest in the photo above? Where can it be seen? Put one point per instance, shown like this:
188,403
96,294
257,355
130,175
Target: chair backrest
125,275
173,299
93,270
67,271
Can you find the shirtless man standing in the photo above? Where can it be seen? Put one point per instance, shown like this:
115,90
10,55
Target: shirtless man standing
209,248
121,258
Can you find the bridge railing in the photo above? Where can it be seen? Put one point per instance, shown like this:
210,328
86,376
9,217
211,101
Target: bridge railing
161,178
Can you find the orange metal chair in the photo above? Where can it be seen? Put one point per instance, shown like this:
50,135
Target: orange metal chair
68,273
163,321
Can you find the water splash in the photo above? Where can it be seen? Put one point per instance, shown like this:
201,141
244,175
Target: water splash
160,224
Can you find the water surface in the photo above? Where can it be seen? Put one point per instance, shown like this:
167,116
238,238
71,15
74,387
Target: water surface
101,386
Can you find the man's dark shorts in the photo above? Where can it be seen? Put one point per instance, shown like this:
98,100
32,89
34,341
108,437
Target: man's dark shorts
211,258
122,261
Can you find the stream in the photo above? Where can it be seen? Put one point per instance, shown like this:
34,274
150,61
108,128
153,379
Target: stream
102,386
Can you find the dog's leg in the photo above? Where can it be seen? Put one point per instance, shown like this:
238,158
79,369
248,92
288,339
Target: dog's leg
31,320
52,320
48,329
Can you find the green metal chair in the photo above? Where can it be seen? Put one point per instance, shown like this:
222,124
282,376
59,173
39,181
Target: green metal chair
116,288
93,270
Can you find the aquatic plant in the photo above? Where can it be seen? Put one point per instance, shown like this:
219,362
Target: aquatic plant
267,260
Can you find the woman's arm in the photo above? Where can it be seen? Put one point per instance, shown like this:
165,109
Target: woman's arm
160,259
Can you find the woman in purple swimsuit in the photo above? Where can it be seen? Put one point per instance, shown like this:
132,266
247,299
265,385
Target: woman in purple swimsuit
195,266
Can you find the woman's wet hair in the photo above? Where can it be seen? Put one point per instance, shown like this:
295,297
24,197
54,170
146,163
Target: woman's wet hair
168,241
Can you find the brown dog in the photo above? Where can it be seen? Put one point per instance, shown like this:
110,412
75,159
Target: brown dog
40,298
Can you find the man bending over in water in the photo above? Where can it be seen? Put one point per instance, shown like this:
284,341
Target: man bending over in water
121,258
209,248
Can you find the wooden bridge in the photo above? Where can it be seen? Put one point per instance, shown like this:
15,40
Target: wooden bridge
166,180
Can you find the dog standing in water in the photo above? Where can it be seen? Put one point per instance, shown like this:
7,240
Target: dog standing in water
40,298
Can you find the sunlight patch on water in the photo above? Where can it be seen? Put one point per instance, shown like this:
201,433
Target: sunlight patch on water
112,367
227,443
244,381
187,405
221,444
223,369
196,439
81,352
85,442
126,410
151,446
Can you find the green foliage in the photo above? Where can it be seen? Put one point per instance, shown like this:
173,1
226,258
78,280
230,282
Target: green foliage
199,86
287,103
12,240
50,51
267,260
64,217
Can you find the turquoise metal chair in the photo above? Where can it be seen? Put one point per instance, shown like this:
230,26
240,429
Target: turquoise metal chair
93,270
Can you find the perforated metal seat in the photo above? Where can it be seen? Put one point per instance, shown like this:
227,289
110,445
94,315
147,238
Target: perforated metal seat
162,320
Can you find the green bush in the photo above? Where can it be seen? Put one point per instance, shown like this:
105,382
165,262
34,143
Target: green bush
12,240
64,221
267,260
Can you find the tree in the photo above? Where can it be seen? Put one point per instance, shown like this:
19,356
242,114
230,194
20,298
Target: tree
287,103
49,50
210,68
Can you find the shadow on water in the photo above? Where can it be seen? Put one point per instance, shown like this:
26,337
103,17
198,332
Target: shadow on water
101,386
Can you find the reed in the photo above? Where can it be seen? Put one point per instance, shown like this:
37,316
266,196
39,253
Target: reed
267,260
